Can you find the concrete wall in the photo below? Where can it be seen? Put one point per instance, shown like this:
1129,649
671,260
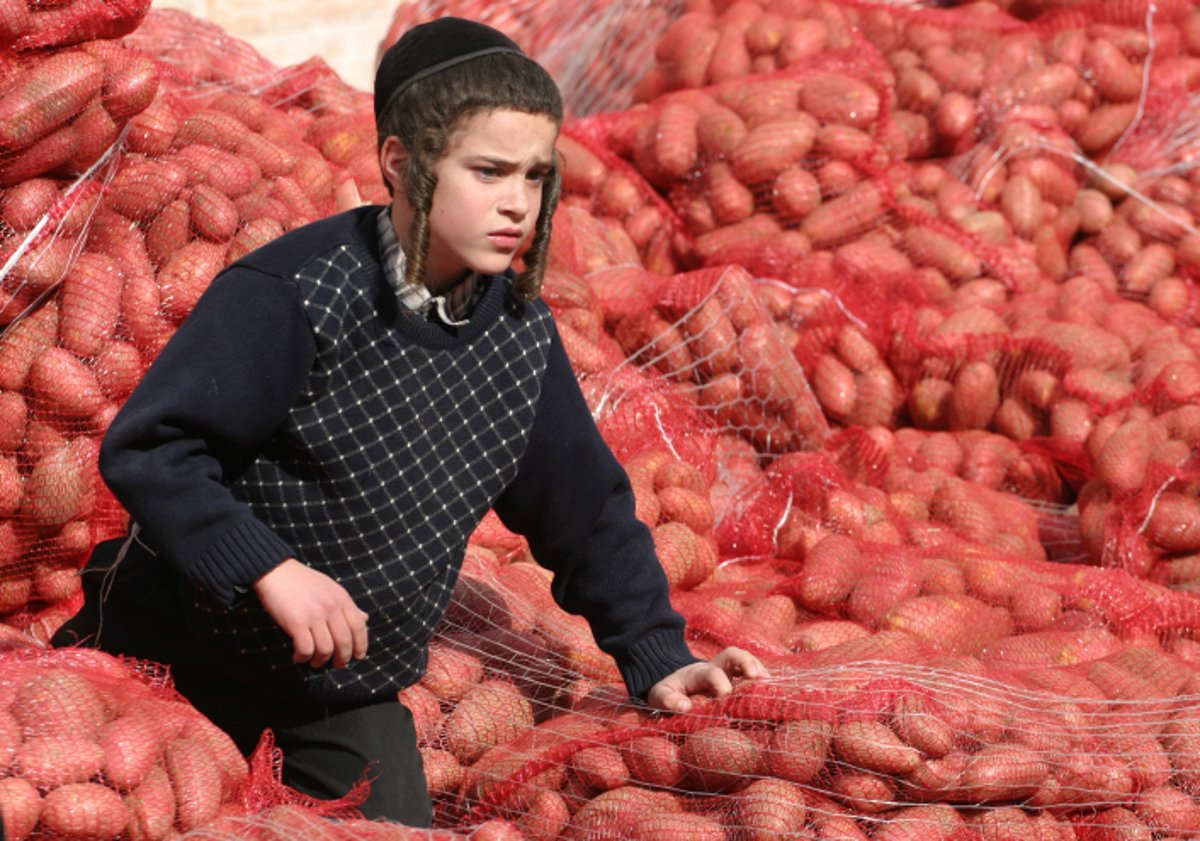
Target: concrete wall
346,33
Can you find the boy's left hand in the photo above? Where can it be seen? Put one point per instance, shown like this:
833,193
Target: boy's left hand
712,677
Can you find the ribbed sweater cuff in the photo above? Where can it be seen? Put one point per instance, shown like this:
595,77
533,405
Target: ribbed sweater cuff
238,559
653,658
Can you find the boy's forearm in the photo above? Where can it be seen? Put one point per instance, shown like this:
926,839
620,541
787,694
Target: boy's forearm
217,389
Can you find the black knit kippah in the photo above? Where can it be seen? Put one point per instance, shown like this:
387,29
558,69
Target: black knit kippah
431,47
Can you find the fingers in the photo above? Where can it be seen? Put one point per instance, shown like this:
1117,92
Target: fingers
664,697
736,661
342,639
358,629
709,680
303,646
323,642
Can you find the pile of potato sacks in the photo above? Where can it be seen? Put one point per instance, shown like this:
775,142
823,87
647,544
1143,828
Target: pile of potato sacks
888,310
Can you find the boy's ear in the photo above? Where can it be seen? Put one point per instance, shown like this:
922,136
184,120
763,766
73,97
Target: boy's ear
393,157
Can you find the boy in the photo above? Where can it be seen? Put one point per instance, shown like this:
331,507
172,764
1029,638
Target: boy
307,458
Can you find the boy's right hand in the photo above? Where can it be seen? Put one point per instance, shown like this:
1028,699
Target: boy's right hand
316,612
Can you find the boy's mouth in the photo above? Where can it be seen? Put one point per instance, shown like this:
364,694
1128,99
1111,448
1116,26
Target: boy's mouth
507,238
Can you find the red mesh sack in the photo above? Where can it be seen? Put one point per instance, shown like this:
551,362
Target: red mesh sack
32,25
101,269
336,119
595,179
62,110
95,747
596,52
711,331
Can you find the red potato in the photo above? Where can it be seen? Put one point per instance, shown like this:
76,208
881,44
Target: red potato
118,368
20,807
59,702
61,486
1051,648
85,810
253,234
873,746
917,823
659,826
23,342
1174,523
11,486
132,745
491,713
443,773
10,740
653,760
233,175
845,216
186,275
768,809
771,148
731,201
976,396
25,203
717,758
196,781
130,84
152,131
60,384
731,58
600,767
687,558
831,570
151,807
142,188
1106,124
687,506
834,386
211,213
954,622
720,131
884,585
838,98
928,247
451,672
795,194
863,791
769,619
670,147
44,96
97,132
582,171
52,761
917,722
1001,772
1168,810
90,304
544,816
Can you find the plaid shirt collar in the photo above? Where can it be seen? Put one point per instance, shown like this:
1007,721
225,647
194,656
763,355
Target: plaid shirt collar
452,309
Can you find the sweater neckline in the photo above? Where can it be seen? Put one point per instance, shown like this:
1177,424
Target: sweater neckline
419,329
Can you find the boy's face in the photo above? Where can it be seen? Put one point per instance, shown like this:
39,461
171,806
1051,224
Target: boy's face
488,195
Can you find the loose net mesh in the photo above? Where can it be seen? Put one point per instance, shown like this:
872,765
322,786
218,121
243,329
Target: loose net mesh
888,310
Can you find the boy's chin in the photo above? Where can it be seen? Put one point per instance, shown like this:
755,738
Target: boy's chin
497,265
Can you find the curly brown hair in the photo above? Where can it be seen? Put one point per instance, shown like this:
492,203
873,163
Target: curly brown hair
424,117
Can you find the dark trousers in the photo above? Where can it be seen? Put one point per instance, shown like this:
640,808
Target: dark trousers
134,611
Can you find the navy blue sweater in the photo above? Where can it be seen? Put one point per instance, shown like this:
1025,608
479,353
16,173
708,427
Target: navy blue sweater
300,411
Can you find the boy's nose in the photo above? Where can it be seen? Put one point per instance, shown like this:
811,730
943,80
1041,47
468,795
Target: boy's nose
515,200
